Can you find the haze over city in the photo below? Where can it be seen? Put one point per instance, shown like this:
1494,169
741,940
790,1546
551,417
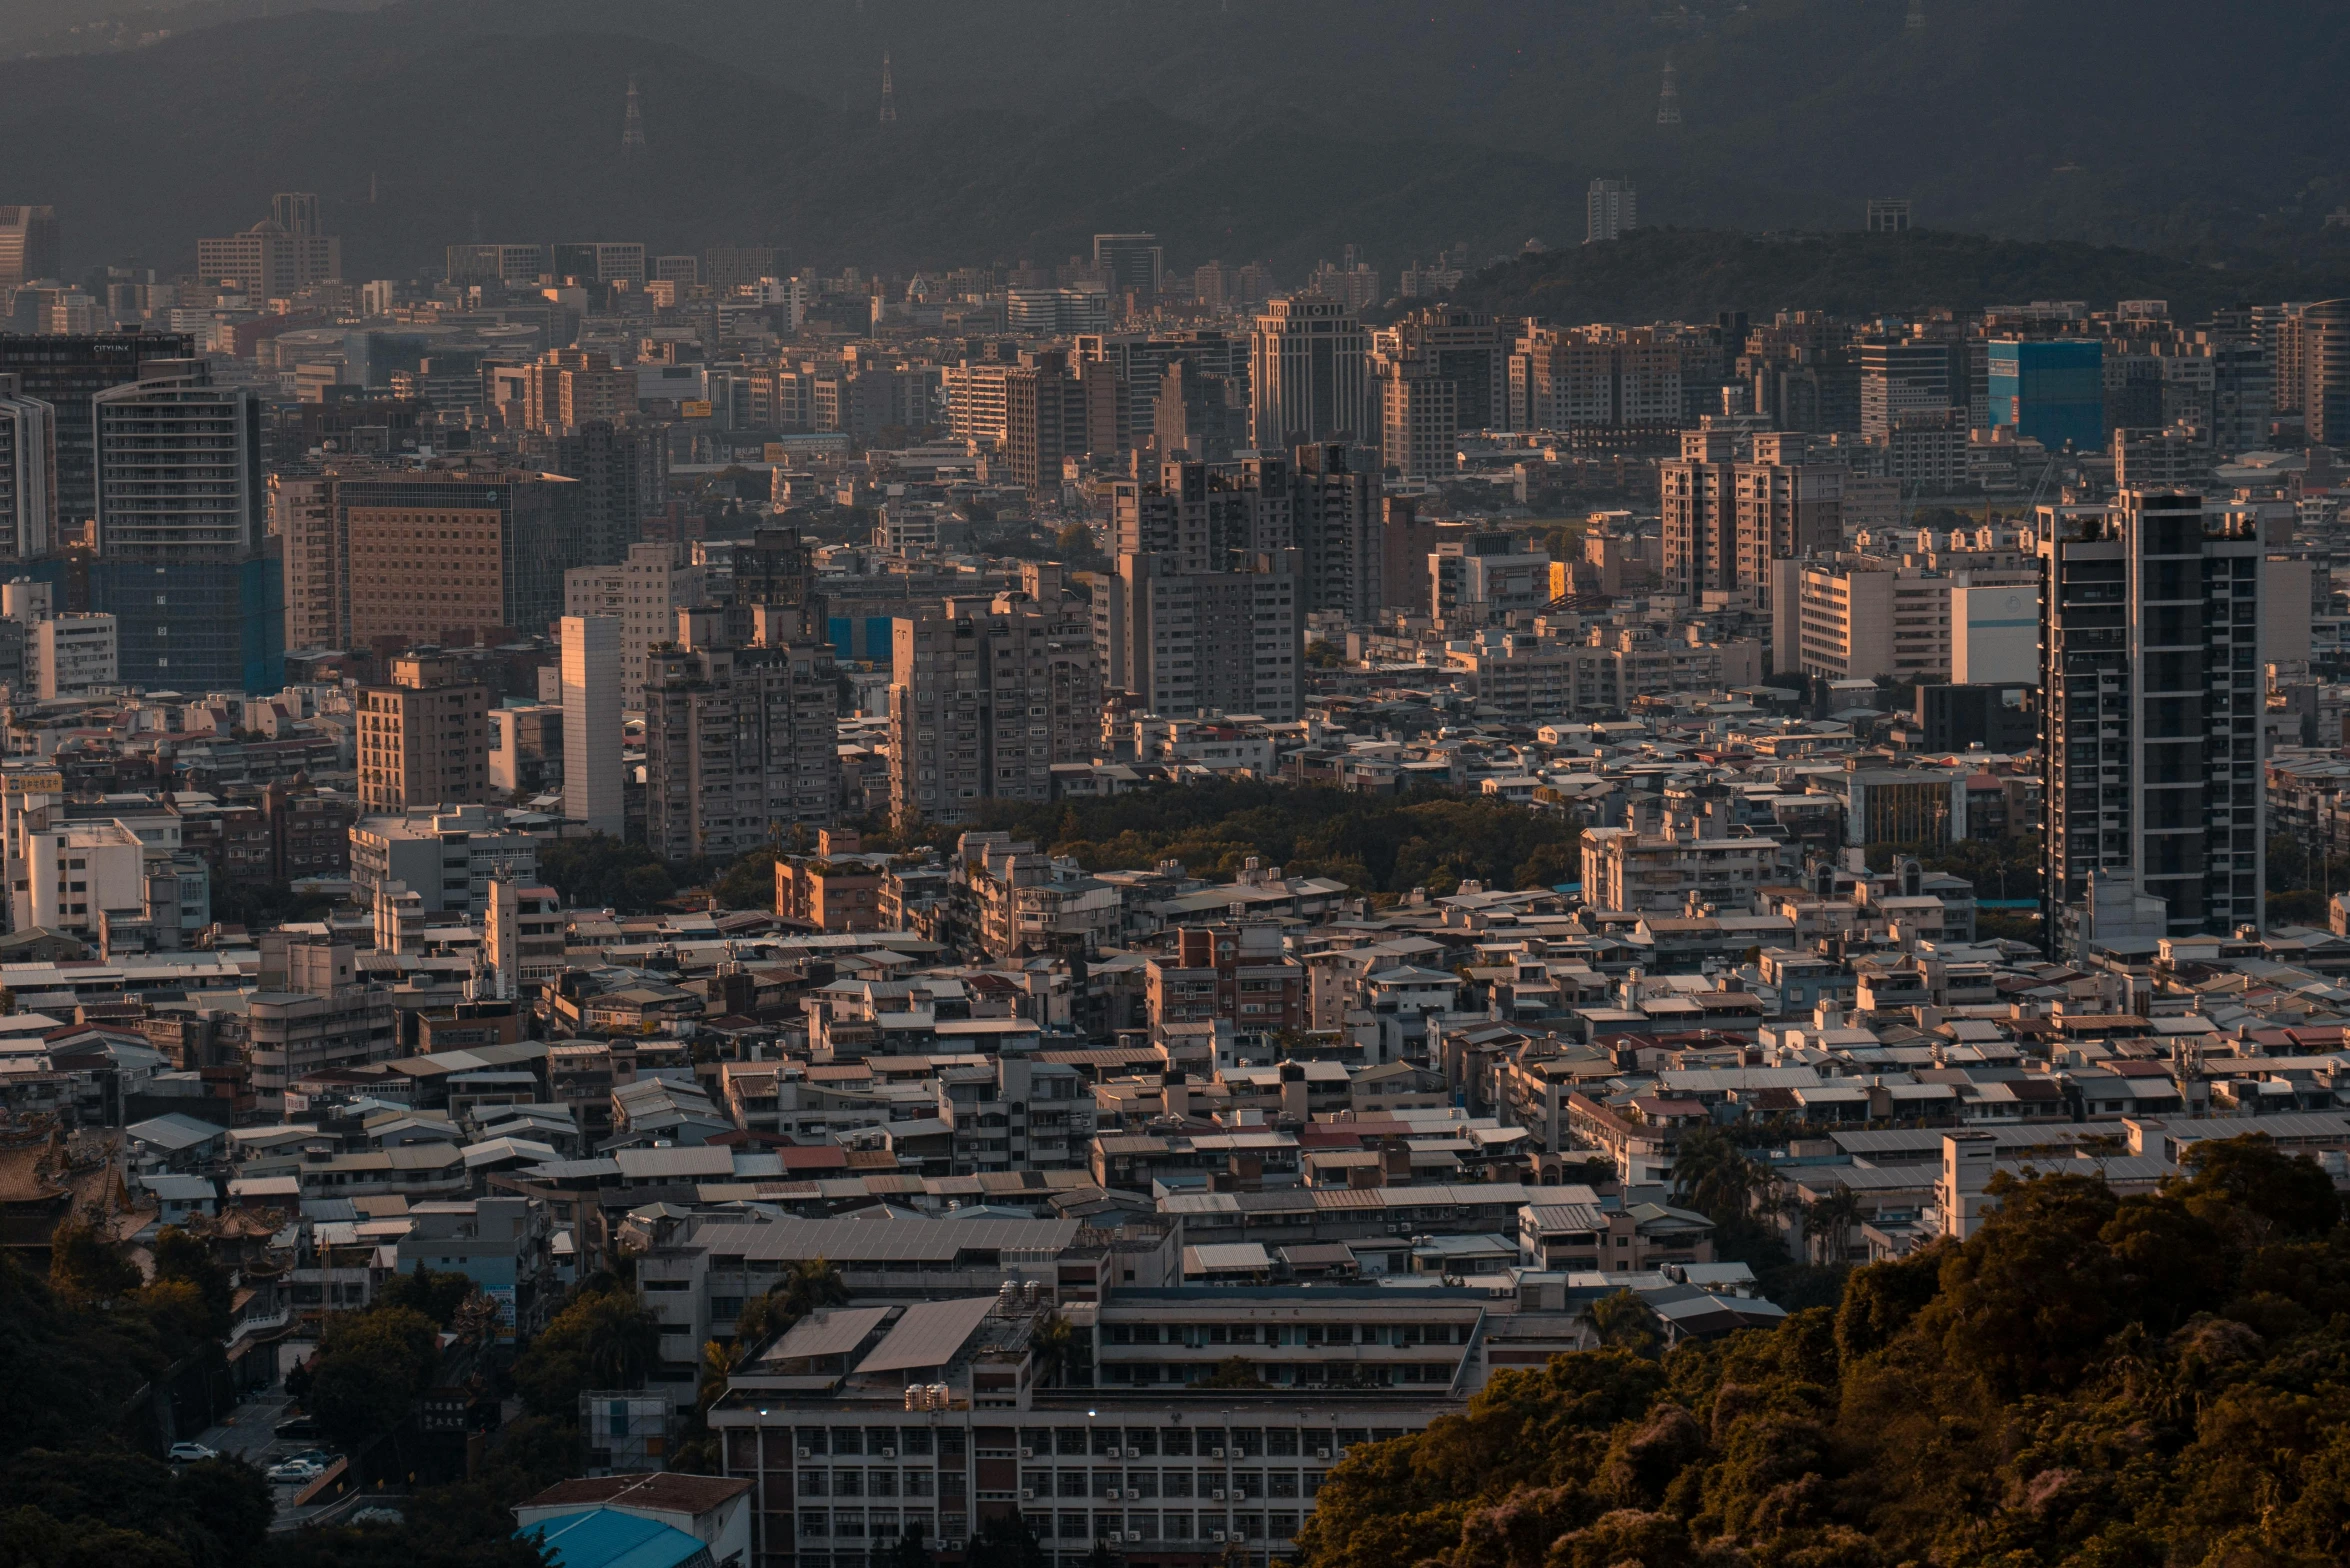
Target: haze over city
1215,784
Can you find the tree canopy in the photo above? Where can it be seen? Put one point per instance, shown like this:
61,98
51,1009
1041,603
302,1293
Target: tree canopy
1375,844
2091,1379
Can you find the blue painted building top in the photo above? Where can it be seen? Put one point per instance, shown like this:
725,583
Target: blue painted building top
608,1538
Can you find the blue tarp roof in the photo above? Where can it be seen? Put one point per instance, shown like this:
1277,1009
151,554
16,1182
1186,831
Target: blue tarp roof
608,1538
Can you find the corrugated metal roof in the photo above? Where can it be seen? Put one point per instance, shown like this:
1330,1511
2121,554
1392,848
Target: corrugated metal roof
909,1240
828,1333
674,1164
928,1335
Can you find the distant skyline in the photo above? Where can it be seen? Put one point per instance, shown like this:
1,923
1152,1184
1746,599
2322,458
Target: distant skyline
1022,127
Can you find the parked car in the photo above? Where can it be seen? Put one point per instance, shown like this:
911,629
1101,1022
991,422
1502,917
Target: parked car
189,1453
315,1456
296,1470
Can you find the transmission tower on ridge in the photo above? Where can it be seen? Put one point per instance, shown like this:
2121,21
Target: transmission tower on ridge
1668,101
632,127
889,93
1917,16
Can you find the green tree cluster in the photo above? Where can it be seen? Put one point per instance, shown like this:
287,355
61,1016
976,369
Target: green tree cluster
600,871
602,1339
370,1370
2090,1379
1375,844
114,1509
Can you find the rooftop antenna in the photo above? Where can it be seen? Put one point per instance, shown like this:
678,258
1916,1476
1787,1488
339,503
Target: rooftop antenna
1668,101
889,94
632,128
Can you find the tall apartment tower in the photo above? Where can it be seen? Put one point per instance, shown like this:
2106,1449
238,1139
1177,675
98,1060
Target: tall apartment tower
592,791
181,524
28,473
985,696
1611,209
619,468
281,255
644,593
1437,372
1055,410
1206,611
1309,373
425,739
1915,376
1336,522
742,731
1700,514
28,245
64,372
1130,263
2325,370
2151,653
1787,506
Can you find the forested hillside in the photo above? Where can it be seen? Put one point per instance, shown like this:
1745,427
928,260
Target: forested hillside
2091,1380
1281,129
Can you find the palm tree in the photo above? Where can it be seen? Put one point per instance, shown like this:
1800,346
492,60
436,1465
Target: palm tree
1831,1220
1712,1176
1622,1323
1052,1346
813,1283
718,1363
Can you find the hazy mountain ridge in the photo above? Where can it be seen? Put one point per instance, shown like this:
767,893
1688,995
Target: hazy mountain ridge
1277,129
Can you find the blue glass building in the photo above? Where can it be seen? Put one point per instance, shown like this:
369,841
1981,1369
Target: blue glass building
2053,392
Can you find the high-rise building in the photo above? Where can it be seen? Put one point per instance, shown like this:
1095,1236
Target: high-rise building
1335,522
601,261
479,264
1055,410
28,473
1611,209
2243,396
28,245
303,519
280,256
741,732
424,739
1911,376
444,555
566,388
2324,343
1309,373
2054,391
1788,505
731,267
1700,515
592,790
63,372
1206,611
1419,416
644,593
1435,373
522,935
1594,377
620,469
1131,262
2152,698
180,528
985,696
975,400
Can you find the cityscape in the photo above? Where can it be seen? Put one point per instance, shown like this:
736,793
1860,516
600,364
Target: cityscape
1655,896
